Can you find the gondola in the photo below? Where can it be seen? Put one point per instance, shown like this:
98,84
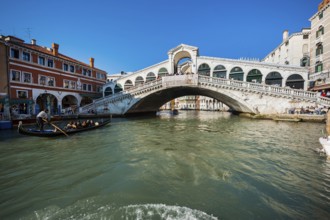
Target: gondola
57,132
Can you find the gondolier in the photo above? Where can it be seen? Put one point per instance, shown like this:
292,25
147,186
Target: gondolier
41,117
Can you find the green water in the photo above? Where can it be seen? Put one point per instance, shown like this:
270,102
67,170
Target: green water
196,165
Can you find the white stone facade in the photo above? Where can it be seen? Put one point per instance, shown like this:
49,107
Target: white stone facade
294,50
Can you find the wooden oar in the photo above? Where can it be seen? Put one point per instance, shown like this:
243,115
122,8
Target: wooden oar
56,127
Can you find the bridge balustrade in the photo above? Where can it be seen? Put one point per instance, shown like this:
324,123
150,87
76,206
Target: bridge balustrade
194,79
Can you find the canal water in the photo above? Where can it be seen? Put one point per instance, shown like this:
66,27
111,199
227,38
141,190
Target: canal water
195,165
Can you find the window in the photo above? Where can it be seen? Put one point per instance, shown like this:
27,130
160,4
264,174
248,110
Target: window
84,86
66,84
14,53
89,73
27,77
72,85
26,56
318,67
65,67
51,81
41,60
15,75
84,72
50,63
22,94
71,68
321,15
42,80
320,31
304,61
305,36
319,49
89,87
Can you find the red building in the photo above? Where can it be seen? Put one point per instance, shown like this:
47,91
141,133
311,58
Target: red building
41,77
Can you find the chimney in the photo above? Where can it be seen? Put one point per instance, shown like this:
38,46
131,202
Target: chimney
285,35
55,49
91,62
34,42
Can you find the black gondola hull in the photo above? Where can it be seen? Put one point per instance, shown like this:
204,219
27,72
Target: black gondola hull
51,133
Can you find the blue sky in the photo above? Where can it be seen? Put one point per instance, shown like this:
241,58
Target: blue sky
128,35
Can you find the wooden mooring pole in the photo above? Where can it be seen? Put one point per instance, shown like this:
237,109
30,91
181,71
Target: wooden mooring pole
328,123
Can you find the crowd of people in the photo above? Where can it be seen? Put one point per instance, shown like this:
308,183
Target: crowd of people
312,110
79,125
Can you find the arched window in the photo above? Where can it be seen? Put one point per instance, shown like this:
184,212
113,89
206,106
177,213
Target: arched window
150,77
274,78
139,81
128,84
254,76
319,49
204,70
320,31
220,72
108,91
118,88
295,81
236,73
162,72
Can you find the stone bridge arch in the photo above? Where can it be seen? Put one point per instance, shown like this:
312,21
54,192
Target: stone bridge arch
153,101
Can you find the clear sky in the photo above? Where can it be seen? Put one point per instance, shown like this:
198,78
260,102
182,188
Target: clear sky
129,35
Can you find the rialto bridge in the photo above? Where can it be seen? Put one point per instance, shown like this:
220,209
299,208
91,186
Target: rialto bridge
245,86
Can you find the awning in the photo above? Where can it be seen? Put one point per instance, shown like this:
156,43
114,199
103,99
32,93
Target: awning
320,87
91,95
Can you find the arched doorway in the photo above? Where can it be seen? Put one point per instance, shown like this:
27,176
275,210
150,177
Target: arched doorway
108,91
162,72
236,73
128,84
150,77
295,81
139,81
220,72
181,59
274,78
69,104
47,101
118,88
254,76
204,70
184,66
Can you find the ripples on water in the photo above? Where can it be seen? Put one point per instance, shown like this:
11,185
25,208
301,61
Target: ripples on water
197,165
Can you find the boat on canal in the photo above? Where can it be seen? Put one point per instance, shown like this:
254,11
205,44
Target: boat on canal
56,131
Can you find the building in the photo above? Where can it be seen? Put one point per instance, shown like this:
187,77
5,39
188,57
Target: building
4,100
310,48
320,48
40,77
294,50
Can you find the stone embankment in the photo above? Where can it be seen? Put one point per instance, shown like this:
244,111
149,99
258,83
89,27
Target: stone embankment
288,117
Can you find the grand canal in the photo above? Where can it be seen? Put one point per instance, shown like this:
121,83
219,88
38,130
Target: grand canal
196,165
